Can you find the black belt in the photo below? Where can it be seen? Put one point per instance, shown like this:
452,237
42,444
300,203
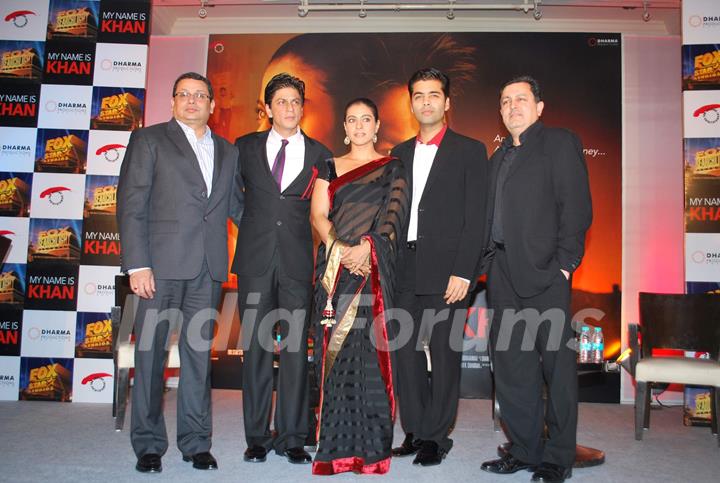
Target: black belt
411,245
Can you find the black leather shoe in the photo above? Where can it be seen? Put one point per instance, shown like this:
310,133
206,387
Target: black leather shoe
202,461
430,454
255,454
551,473
149,463
296,456
408,447
506,465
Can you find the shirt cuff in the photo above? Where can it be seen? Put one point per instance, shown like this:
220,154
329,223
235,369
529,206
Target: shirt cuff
464,279
133,270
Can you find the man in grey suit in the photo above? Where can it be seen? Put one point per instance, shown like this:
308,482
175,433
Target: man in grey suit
179,182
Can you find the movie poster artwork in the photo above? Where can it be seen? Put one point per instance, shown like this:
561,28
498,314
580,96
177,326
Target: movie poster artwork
580,74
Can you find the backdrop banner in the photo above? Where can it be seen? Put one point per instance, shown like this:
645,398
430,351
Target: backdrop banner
581,77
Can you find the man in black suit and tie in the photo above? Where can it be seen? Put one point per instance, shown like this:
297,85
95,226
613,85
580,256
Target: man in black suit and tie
437,267
539,211
274,264
177,188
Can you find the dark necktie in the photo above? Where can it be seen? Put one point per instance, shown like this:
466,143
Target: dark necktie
279,164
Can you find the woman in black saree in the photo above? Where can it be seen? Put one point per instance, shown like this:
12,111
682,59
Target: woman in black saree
359,203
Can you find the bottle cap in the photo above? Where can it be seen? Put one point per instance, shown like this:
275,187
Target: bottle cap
598,329
585,328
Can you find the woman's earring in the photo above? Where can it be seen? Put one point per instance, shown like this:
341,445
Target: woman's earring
375,138
346,141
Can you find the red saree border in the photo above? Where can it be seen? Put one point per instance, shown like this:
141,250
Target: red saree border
352,463
354,174
380,328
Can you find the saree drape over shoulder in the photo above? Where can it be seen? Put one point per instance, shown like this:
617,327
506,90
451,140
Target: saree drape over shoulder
357,406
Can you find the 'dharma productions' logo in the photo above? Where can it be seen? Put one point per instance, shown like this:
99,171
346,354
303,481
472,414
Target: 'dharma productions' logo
111,152
65,107
704,21
603,41
97,381
706,257
710,113
49,335
54,195
7,380
99,289
16,150
121,66
19,18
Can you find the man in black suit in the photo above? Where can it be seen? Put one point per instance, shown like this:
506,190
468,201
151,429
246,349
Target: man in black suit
437,267
274,263
178,185
539,212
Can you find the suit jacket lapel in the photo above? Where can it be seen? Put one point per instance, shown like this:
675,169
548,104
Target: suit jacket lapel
442,154
218,156
310,158
177,136
407,158
260,154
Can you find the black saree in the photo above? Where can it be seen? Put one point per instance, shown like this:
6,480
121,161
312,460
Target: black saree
357,405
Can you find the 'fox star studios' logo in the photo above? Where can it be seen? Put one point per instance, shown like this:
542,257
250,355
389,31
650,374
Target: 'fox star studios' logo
710,113
96,381
54,194
19,18
110,152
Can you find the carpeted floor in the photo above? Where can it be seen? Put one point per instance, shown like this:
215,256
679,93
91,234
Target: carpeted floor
45,441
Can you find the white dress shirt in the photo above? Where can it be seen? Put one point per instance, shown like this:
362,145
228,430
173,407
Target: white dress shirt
294,155
204,150
422,163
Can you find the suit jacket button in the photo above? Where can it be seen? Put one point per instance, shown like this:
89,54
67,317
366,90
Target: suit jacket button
204,218
203,194
282,197
278,223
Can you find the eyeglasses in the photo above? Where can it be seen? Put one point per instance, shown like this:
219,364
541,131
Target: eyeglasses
198,96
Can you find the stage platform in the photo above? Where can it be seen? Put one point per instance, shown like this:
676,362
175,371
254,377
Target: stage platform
63,442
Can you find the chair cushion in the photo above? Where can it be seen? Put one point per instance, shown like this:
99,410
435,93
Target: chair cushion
126,355
678,370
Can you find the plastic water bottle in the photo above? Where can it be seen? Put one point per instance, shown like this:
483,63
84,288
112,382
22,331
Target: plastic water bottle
598,345
585,345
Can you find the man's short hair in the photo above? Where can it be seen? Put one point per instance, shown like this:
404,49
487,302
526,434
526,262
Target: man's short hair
534,85
430,73
281,81
197,77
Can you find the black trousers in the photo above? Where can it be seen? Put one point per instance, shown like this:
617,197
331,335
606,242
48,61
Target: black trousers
428,406
266,301
525,362
194,416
